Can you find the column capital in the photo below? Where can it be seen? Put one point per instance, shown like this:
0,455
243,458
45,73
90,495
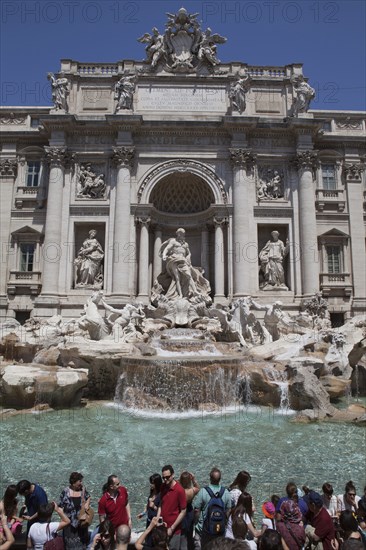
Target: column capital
59,156
8,168
353,172
123,156
143,220
306,160
242,157
220,221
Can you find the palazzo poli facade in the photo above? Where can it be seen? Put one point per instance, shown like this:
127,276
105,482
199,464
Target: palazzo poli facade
131,151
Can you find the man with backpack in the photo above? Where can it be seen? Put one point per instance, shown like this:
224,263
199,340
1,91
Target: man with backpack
211,507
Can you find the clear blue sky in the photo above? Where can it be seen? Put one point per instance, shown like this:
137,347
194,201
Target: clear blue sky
327,36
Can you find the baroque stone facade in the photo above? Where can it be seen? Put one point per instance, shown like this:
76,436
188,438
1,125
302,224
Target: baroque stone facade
93,186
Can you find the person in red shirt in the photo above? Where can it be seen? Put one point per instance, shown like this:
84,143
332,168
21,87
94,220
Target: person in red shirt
320,520
114,503
173,506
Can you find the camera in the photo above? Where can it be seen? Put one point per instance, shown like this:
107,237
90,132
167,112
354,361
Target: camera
160,521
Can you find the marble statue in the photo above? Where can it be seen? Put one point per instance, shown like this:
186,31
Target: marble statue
251,328
180,279
207,47
271,259
155,49
184,47
123,317
60,91
270,185
90,185
237,94
317,308
88,263
91,320
304,94
278,323
123,92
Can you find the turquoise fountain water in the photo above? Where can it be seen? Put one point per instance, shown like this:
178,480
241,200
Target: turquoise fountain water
107,439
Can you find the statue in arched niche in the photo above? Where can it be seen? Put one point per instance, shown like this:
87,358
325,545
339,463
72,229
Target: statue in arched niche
180,279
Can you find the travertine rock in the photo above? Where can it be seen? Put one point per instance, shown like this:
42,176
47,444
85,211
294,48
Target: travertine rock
24,386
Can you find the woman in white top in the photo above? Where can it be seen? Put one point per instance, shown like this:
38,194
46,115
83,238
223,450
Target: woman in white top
244,510
330,501
239,486
45,529
348,501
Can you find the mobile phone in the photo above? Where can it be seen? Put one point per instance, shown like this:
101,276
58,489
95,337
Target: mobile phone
22,511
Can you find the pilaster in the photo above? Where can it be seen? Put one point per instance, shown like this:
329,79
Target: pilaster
353,178
8,173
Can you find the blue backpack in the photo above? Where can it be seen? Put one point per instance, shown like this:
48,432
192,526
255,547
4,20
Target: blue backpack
215,517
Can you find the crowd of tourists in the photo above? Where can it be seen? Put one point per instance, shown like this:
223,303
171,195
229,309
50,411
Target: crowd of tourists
181,515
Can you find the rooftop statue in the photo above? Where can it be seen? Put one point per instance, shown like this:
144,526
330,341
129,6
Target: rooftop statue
237,93
60,91
304,94
184,46
123,92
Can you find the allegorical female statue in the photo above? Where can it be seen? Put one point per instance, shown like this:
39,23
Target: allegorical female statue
271,258
88,263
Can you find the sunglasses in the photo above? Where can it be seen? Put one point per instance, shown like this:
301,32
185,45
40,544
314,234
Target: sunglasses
165,478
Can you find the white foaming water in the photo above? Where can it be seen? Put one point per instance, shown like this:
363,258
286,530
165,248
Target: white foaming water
207,351
194,413
280,379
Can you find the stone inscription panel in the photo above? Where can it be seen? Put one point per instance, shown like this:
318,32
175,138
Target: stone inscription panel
182,98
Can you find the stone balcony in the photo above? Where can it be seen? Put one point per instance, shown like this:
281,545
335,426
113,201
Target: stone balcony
336,284
330,199
24,282
29,197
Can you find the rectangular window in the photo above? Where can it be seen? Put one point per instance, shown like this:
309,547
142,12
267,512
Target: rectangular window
329,176
334,259
33,171
27,252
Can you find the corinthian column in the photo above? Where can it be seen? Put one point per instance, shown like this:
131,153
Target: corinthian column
157,261
353,174
57,157
8,172
306,163
243,219
144,258
123,158
220,223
